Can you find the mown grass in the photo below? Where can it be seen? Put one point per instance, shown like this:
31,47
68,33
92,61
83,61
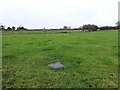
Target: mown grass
90,59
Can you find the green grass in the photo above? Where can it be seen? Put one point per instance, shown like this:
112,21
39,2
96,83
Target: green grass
90,59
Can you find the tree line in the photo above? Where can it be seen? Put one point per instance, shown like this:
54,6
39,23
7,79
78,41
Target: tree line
86,27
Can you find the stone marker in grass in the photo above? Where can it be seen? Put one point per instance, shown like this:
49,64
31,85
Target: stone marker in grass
56,65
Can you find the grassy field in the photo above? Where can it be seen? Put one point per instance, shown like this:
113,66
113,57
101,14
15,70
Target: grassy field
90,59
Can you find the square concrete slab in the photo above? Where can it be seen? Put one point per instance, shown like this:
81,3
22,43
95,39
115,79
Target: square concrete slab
56,65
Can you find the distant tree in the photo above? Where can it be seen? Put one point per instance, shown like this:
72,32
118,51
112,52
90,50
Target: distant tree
9,28
13,28
21,28
65,27
94,27
2,27
90,27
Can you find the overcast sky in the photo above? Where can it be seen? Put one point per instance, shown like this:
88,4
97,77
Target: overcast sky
57,13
